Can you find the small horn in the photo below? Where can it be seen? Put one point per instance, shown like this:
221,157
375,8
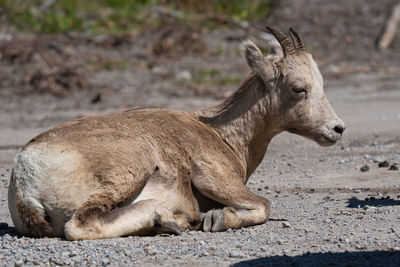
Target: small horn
297,41
287,45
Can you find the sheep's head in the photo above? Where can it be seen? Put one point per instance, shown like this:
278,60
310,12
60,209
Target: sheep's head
295,89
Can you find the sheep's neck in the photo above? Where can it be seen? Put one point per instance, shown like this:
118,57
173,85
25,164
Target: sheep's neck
244,121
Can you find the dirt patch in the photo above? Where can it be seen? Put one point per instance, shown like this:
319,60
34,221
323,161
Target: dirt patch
324,209
39,64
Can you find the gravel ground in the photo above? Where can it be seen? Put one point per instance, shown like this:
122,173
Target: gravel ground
327,207
305,228
325,210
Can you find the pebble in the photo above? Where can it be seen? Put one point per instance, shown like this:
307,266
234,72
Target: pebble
393,167
312,223
159,70
383,164
364,168
19,263
377,159
234,254
184,75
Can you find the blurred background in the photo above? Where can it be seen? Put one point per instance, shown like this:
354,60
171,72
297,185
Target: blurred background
108,54
62,59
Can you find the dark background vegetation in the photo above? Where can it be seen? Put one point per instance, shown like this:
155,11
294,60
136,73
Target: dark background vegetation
119,16
57,46
64,59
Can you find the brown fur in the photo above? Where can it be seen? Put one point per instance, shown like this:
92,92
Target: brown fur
154,170
33,220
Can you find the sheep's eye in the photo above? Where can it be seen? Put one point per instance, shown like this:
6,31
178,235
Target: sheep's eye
299,90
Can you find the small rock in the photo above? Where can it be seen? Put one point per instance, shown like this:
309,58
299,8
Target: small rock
383,164
393,167
360,246
377,159
286,225
73,253
96,99
253,253
244,24
184,75
364,168
105,261
359,216
19,263
279,241
159,70
36,262
234,254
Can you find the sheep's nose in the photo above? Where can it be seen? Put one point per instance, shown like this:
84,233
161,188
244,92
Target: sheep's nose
339,129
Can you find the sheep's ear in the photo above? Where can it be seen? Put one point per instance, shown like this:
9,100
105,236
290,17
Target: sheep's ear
256,60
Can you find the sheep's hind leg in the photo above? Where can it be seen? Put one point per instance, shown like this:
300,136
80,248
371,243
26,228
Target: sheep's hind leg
143,217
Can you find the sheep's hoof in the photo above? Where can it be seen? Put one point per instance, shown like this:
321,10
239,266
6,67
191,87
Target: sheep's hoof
213,220
169,228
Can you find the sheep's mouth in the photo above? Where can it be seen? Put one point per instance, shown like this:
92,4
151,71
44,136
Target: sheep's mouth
329,139
321,137
325,140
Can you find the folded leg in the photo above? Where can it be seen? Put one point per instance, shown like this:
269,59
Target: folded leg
136,219
243,207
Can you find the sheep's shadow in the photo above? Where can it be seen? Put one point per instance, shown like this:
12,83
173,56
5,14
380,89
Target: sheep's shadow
371,201
355,258
6,229
277,220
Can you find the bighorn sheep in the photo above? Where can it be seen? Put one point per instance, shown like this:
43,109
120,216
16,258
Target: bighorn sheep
152,170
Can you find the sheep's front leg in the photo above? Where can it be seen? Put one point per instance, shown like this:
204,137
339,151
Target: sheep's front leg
243,207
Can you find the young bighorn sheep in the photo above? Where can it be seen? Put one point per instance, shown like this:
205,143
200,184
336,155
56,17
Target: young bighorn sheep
152,170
